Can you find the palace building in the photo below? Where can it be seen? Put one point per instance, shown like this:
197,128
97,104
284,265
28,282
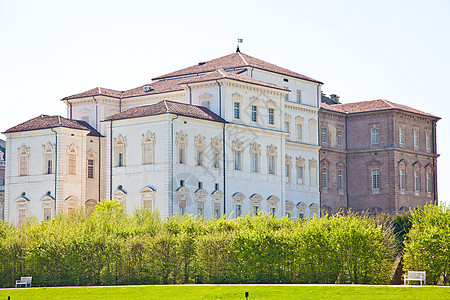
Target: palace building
232,135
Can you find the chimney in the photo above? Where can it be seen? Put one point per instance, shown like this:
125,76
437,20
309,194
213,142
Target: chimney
335,99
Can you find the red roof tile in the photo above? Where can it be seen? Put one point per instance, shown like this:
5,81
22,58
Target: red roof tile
45,122
95,92
373,105
220,74
231,61
165,106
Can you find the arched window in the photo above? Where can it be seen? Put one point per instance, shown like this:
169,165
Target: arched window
90,206
22,207
182,199
255,202
148,148
148,197
301,210
217,197
120,195
48,207
200,199
238,201
272,204
289,206
71,203
314,210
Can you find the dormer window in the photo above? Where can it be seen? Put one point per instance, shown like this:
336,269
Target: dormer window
147,89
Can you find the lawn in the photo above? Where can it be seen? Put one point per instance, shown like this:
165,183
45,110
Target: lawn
230,292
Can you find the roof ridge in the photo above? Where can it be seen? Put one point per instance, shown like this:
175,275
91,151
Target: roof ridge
167,106
242,57
389,103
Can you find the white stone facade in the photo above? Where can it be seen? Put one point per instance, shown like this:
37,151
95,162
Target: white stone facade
264,157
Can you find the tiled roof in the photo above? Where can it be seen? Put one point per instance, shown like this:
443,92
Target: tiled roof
373,105
173,85
45,122
165,106
231,61
220,74
95,92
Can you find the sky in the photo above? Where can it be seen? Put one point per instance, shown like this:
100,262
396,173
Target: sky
361,50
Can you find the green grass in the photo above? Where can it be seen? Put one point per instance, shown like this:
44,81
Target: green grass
229,292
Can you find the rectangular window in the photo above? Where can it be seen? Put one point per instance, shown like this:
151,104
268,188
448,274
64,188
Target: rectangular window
300,175
287,171
200,185
22,215
237,110
200,211
428,141
47,213
148,155
376,178
237,160
90,168
181,182
23,165
271,164
401,135
217,210
299,96
324,136
238,210
254,113
255,210
286,126
324,177
147,203
273,211
429,183
375,136
255,162
286,97
181,156
416,138
340,138
402,179
271,116
199,158
49,166
340,179
73,163
301,216
299,132
216,161
416,181
216,186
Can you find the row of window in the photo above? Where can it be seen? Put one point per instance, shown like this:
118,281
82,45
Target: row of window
254,113
375,137
49,157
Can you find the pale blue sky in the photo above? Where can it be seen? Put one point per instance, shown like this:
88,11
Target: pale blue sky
361,50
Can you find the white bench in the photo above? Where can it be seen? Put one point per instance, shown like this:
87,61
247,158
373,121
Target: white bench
24,281
416,275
